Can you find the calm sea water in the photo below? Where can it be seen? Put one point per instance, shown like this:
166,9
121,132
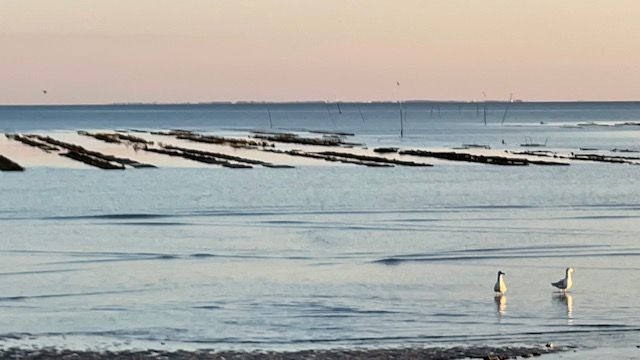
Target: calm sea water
325,256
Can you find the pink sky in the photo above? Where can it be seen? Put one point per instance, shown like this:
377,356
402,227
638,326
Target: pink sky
104,51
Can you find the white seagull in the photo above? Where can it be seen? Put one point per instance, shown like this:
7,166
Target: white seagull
566,283
500,286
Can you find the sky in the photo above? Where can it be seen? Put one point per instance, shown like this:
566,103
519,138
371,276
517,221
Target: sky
106,51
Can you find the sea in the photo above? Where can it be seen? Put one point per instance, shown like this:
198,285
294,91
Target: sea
327,256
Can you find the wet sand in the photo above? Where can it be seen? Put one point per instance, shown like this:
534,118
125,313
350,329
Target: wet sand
476,352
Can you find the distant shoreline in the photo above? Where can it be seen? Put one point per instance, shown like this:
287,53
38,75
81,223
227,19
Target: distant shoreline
319,102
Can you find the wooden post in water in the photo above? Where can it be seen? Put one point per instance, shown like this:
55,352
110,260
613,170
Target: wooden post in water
401,120
484,108
484,113
400,108
506,109
362,116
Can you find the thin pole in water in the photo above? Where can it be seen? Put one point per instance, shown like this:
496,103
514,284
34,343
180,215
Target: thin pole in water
331,117
270,121
484,114
484,109
506,109
401,122
400,107
362,116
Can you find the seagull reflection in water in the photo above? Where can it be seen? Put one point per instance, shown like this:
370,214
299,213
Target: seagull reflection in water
501,303
566,301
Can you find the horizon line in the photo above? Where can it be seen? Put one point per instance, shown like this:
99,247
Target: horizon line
294,102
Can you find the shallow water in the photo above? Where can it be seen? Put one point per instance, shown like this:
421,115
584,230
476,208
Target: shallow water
323,256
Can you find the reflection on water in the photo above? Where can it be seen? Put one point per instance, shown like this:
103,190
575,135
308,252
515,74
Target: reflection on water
501,304
565,300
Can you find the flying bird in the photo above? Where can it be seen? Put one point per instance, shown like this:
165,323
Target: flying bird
566,283
44,91
500,286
